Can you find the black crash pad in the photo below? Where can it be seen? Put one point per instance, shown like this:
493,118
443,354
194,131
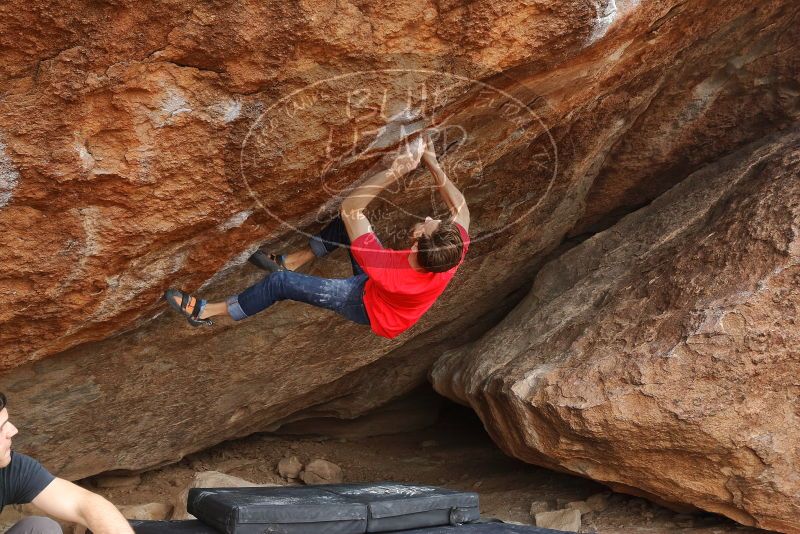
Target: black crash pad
171,527
334,509
197,527
284,509
393,506
482,528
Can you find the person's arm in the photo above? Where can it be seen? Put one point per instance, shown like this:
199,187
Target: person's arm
356,202
452,196
68,502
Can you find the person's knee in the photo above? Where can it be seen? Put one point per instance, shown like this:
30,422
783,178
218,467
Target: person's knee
278,277
276,285
35,525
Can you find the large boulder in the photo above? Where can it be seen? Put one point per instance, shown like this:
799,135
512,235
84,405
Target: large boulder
661,356
144,146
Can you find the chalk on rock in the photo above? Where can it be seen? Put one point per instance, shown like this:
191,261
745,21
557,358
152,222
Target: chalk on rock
568,519
320,471
289,468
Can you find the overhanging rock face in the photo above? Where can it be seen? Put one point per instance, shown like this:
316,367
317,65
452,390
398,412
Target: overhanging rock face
143,147
661,355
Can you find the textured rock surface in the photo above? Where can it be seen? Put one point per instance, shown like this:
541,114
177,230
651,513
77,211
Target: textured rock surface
565,520
120,176
661,355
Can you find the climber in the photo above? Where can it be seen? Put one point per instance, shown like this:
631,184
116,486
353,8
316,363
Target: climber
24,480
389,290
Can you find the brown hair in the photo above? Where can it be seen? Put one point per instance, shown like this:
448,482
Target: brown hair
442,250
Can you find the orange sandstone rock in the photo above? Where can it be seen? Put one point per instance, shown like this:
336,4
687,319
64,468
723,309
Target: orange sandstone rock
149,146
661,355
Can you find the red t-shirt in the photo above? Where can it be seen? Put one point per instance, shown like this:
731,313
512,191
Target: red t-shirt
396,295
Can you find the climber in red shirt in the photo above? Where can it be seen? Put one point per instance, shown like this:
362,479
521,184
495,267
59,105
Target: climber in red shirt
389,290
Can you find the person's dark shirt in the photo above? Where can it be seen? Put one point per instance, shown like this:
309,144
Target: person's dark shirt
22,480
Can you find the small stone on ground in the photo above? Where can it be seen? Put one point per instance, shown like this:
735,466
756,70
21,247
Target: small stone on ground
290,468
320,471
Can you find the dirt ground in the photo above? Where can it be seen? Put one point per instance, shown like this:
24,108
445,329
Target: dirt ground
455,452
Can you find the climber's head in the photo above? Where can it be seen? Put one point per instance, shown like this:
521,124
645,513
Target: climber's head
438,244
7,431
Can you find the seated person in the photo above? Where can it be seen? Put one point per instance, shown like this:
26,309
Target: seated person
24,480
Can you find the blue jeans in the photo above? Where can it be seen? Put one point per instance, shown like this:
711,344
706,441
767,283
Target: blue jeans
345,296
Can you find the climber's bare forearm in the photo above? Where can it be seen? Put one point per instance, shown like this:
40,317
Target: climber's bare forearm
454,199
361,196
357,201
353,206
